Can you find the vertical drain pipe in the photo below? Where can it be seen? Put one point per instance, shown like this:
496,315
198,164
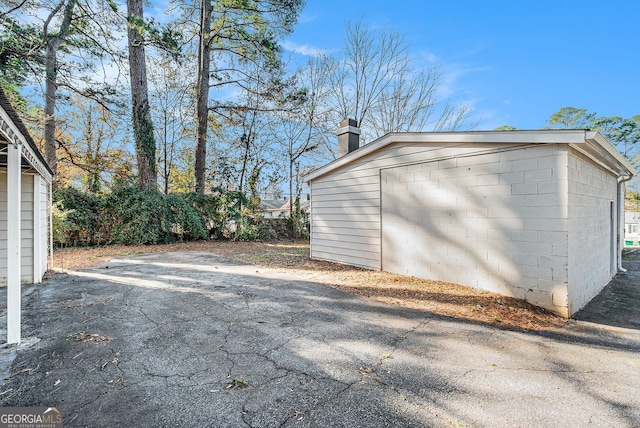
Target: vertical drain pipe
621,181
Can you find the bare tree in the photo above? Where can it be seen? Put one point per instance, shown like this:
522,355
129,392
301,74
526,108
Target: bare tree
371,61
374,83
172,98
298,126
93,144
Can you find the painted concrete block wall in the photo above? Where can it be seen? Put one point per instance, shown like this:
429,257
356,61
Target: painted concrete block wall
592,193
345,206
26,229
494,221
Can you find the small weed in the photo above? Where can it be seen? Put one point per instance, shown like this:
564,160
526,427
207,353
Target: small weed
386,356
237,383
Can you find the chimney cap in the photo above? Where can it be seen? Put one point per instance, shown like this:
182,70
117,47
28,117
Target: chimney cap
349,122
348,126
348,137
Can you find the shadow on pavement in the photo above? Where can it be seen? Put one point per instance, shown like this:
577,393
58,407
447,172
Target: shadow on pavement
618,304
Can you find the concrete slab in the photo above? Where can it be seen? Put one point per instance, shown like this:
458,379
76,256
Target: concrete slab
193,339
618,304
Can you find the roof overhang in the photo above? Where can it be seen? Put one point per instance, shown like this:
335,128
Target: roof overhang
590,143
601,151
13,131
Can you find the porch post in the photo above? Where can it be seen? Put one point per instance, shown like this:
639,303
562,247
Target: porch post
37,229
14,304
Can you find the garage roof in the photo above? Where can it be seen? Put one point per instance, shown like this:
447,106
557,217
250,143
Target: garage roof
591,143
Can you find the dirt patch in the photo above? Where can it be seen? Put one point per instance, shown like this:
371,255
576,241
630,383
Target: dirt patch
433,296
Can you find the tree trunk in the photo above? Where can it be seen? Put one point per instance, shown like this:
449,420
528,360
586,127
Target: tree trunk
245,159
51,86
202,108
165,155
50,105
142,126
290,186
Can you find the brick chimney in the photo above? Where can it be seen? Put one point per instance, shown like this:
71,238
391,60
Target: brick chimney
348,137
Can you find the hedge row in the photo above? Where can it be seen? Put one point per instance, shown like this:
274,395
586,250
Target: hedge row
132,216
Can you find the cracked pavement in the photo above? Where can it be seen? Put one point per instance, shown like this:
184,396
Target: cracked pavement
192,339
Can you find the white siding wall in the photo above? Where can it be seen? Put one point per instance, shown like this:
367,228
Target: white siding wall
44,225
41,227
591,192
496,222
26,230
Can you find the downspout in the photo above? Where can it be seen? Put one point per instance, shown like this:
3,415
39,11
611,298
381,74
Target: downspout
621,180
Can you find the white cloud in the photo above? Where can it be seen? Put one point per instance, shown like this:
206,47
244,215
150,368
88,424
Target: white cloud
429,57
305,49
452,74
305,18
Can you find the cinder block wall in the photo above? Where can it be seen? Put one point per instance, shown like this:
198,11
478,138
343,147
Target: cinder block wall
528,221
494,221
592,191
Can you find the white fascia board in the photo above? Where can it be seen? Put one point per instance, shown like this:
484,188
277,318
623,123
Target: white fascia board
608,153
15,137
474,137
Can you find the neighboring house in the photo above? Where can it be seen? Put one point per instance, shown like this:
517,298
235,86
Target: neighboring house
279,208
531,214
274,208
25,183
632,229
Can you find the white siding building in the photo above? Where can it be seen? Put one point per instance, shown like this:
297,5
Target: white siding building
534,215
632,229
25,180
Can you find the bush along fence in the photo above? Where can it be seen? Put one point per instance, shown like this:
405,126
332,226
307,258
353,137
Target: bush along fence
131,216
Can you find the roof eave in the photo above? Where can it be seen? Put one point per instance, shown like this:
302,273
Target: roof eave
497,137
11,119
597,147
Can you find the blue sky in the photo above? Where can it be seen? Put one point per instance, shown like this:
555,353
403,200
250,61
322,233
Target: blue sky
515,62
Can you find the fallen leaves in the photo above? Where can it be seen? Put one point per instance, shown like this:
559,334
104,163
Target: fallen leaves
83,336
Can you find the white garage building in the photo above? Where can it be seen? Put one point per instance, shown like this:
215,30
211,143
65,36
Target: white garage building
536,215
25,180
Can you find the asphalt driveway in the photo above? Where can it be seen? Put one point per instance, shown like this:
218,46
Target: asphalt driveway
194,340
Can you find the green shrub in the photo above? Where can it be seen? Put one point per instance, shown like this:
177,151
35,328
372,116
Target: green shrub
180,220
81,223
131,216
150,217
297,223
62,226
208,207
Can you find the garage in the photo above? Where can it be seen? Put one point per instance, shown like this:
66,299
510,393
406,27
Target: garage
536,215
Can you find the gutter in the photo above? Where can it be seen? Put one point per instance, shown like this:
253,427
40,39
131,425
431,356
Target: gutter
620,235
